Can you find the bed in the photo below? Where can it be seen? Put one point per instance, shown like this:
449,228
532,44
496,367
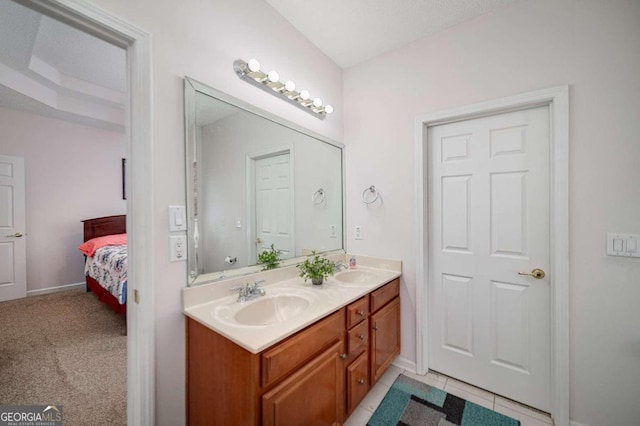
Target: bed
106,271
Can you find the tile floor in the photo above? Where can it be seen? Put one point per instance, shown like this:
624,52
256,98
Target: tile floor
526,415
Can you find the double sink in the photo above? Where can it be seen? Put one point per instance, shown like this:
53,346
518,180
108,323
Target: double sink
283,304
289,303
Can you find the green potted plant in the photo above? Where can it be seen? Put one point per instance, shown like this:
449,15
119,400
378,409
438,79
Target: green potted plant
270,259
316,269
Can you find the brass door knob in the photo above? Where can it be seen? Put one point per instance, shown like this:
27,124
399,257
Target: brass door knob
258,240
537,273
16,235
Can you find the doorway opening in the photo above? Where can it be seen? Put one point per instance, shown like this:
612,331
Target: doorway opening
138,118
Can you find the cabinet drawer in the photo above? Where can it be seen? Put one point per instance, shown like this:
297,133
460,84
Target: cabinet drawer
357,311
384,294
295,351
358,339
357,381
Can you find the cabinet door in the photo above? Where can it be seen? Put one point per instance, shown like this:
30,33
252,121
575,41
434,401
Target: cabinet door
314,395
385,338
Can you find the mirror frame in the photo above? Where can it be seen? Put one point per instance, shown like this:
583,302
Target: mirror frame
191,88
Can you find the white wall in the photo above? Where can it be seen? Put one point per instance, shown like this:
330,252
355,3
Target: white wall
201,39
594,46
73,172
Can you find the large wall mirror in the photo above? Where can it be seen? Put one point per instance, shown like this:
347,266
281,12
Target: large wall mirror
255,180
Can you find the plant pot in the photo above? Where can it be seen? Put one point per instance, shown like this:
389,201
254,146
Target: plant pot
317,281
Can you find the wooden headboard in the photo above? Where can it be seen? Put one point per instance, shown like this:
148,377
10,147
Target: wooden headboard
101,226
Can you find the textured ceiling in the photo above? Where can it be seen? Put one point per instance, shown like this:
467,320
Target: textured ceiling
352,31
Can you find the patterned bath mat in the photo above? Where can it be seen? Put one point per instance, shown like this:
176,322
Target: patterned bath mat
413,403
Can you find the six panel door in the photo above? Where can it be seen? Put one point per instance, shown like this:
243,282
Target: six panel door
488,186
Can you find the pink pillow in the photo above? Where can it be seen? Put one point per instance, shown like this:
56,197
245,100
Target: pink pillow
89,247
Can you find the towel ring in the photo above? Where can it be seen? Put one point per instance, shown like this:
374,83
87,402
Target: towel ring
373,190
318,197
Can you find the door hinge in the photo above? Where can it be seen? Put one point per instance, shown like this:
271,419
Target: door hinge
136,296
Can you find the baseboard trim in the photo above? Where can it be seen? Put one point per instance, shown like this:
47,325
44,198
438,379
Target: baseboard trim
574,423
405,364
41,291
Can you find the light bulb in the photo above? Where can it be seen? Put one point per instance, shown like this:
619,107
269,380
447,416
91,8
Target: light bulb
328,109
254,65
317,102
290,86
273,76
304,95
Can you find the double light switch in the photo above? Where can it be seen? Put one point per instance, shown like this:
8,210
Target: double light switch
625,245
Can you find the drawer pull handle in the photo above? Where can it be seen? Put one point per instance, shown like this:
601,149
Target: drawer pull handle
375,327
360,336
361,381
360,313
343,356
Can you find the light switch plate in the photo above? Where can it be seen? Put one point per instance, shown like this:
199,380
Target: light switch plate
177,218
625,245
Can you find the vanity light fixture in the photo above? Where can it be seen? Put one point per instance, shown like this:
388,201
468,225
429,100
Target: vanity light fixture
270,82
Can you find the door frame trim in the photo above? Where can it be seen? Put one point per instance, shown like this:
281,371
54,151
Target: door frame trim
557,98
140,205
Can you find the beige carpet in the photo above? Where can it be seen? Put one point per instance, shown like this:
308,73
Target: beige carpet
65,349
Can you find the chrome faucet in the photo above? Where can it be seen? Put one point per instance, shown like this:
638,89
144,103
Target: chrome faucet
339,266
249,291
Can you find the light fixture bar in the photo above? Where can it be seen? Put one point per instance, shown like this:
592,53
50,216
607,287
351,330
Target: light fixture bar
269,82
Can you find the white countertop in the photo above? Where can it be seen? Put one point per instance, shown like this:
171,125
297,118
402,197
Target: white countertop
214,307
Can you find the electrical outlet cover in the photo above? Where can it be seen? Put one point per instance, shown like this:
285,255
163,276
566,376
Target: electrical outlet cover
177,248
358,232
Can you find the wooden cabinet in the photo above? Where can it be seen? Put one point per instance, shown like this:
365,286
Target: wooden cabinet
283,358
358,340
385,338
375,341
385,294
312,395
357,381
318,376
357,311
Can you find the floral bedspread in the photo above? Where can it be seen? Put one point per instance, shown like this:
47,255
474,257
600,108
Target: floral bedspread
108,267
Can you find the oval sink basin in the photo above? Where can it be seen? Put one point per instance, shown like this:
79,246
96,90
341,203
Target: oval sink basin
271,310
356,277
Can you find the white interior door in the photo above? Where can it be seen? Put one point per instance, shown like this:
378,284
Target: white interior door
13,254
274,222
488,185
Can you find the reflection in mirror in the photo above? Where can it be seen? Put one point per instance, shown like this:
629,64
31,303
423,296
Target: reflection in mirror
255,181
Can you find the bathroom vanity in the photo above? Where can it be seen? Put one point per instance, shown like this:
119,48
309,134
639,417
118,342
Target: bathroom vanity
314,368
